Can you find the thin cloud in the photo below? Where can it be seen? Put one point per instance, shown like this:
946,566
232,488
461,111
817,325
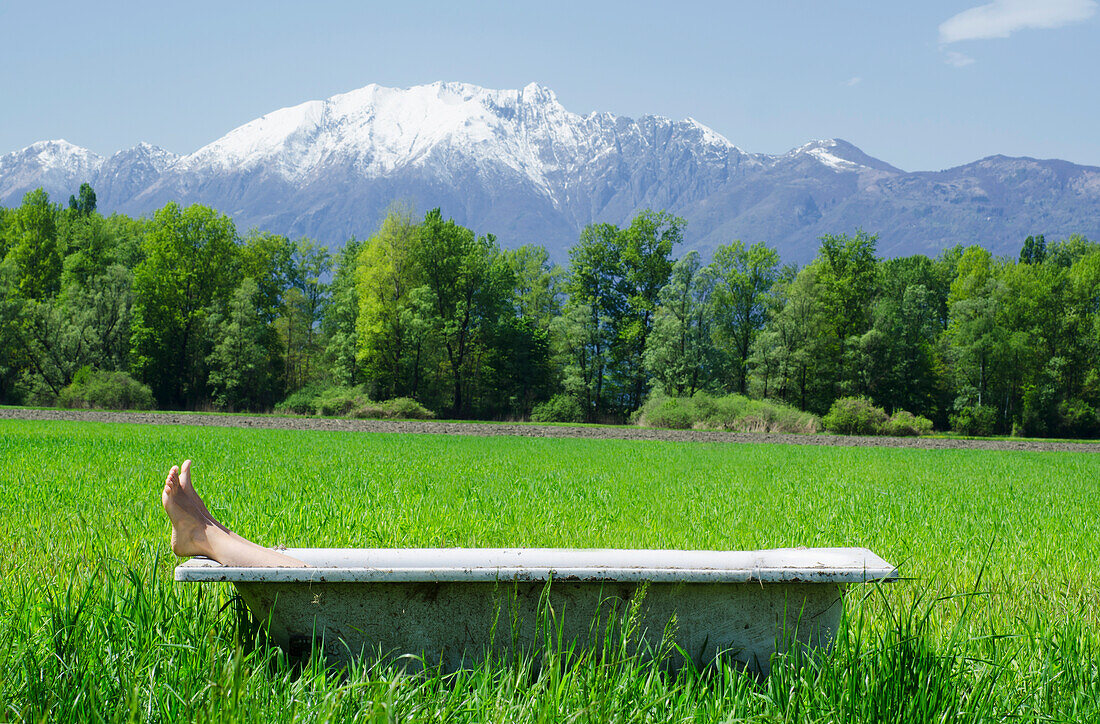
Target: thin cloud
856,80
957,59
1001,18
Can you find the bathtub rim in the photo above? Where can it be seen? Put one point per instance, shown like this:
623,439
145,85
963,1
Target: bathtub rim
595,565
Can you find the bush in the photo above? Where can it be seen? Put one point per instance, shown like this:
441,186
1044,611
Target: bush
735,413
351,402
339,401
1076,418
559,408
674,413
406,408
855,416
859,416
105,391
302,402
979,420
906,424
397,408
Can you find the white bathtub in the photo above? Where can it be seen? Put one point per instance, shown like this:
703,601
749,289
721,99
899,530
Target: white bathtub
453,606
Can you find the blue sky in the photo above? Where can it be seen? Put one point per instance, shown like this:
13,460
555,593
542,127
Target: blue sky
923,85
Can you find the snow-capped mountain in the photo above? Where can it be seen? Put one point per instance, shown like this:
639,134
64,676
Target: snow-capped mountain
518,164
53,165
126,174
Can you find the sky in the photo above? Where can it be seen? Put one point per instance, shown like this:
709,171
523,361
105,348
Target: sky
922,85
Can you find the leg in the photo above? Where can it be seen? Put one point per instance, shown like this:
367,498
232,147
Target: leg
196,533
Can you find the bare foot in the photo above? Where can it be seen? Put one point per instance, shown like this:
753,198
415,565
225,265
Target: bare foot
190,519
195,532
193,495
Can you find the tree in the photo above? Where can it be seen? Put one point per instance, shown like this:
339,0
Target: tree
267,259
1084,279
592,317
339,317
303,303
1034,250
467,281
517,370
35,251
743,279
539,285
1069,251
935,275
84,205
679,354
848,276
615,275
391,342
191,268
897,354
7,220
977,341
101,310
86,326
1042,362
239,370
795,353
645,251
90,249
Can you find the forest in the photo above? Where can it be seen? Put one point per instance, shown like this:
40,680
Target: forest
182,311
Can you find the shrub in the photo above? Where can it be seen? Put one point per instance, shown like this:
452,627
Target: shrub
105,391
397,408
675,413
977,420
368,410
351,402
339,401
406,408
302,402
71,398
735,413
906,424
559,408
855,416
767,416
1076,418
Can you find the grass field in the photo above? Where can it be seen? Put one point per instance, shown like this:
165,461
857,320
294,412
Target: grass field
1000,617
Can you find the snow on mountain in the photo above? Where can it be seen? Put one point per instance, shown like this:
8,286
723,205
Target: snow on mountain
822,151
59,154
515,161
57,166
379,131
838,155
518,164
129,172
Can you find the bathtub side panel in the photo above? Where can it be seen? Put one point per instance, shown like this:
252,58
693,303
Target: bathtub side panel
459,624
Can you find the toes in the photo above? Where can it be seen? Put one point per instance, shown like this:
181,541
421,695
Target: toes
185,474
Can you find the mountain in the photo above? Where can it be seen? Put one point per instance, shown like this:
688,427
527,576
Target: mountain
57,166
518,164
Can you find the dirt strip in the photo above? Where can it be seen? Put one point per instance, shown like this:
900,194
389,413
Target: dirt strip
490,429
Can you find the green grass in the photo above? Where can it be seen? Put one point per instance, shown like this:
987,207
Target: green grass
1011,438
999,620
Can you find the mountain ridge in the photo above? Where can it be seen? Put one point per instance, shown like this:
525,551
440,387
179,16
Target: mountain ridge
518,164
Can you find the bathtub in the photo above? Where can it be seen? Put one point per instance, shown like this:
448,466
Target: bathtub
453,607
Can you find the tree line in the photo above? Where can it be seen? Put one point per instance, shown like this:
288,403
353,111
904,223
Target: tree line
427,309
